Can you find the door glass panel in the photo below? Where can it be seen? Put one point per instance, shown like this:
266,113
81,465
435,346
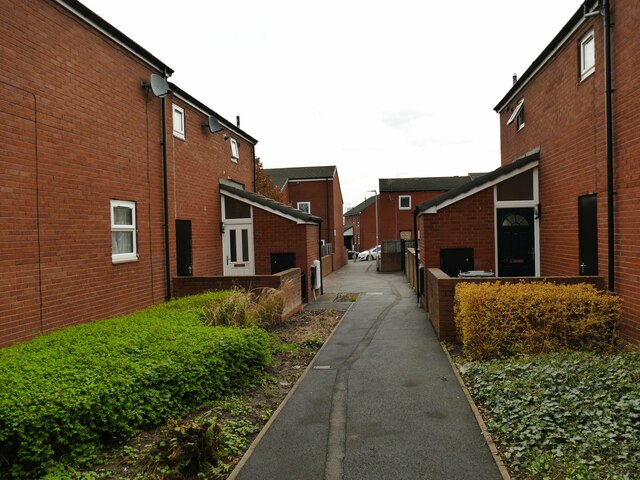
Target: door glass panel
245,245
236,209
233,248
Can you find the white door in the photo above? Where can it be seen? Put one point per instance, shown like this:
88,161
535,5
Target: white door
238,249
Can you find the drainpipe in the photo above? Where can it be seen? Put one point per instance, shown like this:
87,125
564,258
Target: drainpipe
320,255
415,236
609,124
167,256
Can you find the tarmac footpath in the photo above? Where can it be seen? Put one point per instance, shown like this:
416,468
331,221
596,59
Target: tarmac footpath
380,400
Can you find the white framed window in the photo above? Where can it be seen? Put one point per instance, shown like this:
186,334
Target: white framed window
518,115
123,231
178,122
587,55
235,154
404,202
304,207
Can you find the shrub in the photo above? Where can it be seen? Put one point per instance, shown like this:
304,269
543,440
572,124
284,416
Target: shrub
261,307
66,393
504,319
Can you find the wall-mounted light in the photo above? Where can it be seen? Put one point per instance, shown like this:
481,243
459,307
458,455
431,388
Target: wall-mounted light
537,211
222,227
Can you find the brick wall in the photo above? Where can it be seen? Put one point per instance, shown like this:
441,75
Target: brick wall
337,222
392,219
275,234
441,291
565,117
464,224
367,228
288,282
77,130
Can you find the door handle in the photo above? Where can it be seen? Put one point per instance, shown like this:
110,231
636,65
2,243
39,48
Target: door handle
227,259
582,267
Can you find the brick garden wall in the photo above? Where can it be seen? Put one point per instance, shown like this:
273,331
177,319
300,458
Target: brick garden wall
288,282
441,291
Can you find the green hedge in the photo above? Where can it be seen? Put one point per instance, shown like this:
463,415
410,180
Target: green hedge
66,393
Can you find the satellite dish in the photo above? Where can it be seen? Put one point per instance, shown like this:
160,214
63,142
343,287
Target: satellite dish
159,85
214,125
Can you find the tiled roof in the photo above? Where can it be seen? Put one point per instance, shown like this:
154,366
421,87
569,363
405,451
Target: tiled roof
271,204
362,206
280,176
425,184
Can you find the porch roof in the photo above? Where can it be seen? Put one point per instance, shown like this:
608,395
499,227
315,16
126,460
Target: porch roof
529,159
268,204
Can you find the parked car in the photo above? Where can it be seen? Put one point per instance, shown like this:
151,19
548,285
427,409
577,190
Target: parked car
370,254
352,254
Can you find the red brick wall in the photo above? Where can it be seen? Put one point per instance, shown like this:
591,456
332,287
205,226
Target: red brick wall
339,250
464,224
275,234
392,219
366,229
198,162
565,117
98,138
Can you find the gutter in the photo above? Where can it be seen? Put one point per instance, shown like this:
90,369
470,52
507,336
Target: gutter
606,11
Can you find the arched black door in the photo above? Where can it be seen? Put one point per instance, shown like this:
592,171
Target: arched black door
516,247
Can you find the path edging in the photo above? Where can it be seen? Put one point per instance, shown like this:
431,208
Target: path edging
265,429
483,427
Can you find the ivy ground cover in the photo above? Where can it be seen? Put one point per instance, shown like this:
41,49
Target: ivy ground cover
566,416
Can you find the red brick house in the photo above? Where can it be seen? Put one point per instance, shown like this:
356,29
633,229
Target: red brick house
316,190
398,198
576,105
112,183
362,220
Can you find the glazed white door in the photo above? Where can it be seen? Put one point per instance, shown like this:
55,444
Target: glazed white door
238,249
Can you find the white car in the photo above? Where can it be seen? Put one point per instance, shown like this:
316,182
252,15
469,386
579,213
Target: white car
370,254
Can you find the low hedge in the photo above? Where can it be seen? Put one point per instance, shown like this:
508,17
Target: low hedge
64,394
495,319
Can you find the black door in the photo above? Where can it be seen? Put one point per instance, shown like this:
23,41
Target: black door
456,260
516,252
183,248
282,261
588,234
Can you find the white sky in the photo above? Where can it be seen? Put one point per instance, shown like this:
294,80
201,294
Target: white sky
380,89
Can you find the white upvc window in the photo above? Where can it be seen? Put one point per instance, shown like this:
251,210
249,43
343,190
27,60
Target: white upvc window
235,154
123,231
587,55
304,207
404,202
518,115
178,122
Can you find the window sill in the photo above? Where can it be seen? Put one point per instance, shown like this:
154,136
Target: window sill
179,136
128,259
586,75
234,160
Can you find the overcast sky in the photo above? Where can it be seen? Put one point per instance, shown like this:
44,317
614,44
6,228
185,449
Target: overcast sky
380,89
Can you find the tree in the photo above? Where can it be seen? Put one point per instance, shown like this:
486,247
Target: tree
264,185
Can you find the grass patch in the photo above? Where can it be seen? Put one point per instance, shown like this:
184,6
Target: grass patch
566,416
67,393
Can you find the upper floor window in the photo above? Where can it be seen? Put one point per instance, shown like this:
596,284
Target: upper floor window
518,115
235,155
405,202
587,55
304,207
123,231
178,122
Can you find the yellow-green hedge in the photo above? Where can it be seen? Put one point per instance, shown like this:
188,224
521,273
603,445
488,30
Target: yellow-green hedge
496,319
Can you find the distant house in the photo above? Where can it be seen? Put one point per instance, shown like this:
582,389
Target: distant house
316,191
399,197
116,184
362,220
565,200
